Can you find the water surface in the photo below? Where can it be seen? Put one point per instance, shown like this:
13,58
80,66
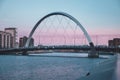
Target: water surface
38,67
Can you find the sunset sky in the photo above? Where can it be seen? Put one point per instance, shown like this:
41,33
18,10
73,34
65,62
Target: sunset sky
97,16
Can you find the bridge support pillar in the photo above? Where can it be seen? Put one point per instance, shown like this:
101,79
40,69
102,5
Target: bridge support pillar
24,53
92,53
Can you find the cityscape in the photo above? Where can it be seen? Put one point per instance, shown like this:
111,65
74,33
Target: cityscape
8,39
59,40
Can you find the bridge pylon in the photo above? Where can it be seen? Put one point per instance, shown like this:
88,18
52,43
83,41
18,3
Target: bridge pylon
24,53
93,53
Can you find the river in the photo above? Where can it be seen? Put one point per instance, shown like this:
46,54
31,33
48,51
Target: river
36,68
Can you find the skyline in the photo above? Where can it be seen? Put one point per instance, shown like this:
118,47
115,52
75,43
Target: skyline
97,16
60,48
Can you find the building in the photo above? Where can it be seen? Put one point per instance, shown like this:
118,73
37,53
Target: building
110,43
23,40
13,33
5,39
114,43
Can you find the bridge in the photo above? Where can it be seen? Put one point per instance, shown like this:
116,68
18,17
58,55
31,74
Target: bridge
58,48
93,51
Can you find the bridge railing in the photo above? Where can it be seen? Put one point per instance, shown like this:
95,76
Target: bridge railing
68,48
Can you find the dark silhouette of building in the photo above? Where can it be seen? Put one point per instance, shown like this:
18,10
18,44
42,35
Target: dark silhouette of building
114,43
23,40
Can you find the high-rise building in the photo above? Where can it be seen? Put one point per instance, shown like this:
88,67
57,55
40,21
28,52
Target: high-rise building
23,40
13,33
114,43
5,39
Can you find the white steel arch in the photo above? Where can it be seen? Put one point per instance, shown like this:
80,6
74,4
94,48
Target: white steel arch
92,53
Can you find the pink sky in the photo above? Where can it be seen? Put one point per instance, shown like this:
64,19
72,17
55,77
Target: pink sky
99,36
70,39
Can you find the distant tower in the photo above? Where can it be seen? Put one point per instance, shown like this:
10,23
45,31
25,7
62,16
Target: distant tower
13,33
23,40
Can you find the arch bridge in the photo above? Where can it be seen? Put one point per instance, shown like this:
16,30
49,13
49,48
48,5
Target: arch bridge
92,53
